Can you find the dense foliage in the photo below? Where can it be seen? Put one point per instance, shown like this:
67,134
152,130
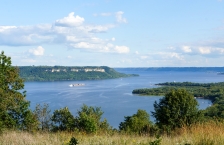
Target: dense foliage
177,109
59,73
63,120
14,108
88,120
211,91
137,123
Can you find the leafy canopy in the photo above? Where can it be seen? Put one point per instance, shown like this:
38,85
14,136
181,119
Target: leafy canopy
136,123
178,108
14,108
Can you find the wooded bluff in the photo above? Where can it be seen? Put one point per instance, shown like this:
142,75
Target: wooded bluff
62,73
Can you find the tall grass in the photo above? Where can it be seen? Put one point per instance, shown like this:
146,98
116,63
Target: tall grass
210,133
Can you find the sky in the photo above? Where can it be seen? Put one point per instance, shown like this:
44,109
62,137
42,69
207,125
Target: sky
114,33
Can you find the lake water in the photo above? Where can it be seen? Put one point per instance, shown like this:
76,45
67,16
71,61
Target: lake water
114,96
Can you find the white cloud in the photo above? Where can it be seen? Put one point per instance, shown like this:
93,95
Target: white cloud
204,50
5,28
136,52
169,55
25,35
96,28
121,49
186,49
119,17
70,21
100,47
70,31
85,45
176,55
39,51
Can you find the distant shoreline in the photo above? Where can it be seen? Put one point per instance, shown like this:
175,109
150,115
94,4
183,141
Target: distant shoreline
69,73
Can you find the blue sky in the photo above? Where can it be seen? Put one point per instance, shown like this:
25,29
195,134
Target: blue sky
146,33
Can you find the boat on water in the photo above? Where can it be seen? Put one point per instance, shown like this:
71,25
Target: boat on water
76,85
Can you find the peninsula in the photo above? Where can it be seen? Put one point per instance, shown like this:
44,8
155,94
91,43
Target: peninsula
212,91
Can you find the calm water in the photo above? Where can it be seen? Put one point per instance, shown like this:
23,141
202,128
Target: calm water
113,96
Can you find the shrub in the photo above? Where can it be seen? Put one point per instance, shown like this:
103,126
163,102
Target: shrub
137,123
178,108
89,119
63,120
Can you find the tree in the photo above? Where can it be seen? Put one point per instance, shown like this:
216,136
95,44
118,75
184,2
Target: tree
42,113
89,119
178,108
137,123
14,108
63,120
216,110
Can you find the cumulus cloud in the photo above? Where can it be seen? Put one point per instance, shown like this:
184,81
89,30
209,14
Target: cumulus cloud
70,31
39,51
120,18
70,21
25,35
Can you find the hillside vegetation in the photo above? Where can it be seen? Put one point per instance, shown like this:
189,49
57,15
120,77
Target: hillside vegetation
61,73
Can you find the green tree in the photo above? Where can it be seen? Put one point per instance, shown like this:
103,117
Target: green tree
63,120
42,113
89,119
216,110
137,123
14,108
178,108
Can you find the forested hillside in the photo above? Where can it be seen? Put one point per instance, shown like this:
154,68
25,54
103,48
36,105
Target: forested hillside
59,73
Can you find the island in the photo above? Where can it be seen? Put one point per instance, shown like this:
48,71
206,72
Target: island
211,91
62,73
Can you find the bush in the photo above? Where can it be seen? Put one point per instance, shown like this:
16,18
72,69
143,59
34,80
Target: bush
137,123
178,108
63,120
89,119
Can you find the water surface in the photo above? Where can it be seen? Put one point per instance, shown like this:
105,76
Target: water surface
114,95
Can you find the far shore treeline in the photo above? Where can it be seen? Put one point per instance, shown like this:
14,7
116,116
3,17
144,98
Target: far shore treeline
65,73
211,91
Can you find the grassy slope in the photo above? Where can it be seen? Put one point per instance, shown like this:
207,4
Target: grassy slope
209,133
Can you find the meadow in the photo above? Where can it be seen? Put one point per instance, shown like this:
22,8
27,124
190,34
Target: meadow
209,133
